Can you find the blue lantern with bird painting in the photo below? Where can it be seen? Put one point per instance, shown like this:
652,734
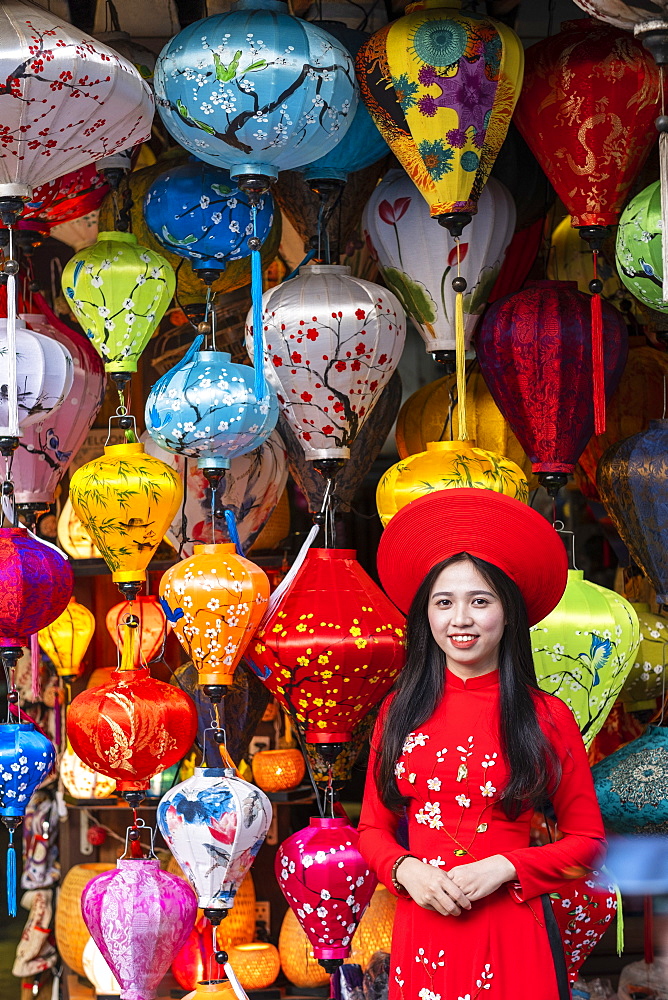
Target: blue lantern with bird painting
208,408
197,211
26,758
256,90
214,824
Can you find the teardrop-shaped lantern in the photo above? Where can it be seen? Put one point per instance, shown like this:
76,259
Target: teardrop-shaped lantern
445,465
332,648
584,650
151,629
126,500
632,784
633,484
66,639
214,824
44,375
332,342
328,885
215,601
206,408
139,903
119,291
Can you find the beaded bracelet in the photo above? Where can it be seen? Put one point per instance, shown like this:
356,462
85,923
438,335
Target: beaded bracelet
395,882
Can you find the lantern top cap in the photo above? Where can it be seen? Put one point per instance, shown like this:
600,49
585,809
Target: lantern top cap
448,445
332,554
116,237
119,450
328,822
276,5
433,5
324,269
214,549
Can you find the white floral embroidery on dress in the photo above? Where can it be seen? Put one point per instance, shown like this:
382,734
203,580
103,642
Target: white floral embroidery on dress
462,801
487,789
489,761
414,740
399,769
430,815
434,784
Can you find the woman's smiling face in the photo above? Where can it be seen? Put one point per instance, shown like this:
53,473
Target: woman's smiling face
466,619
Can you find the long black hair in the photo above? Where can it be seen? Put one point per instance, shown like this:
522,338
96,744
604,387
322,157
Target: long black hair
532,763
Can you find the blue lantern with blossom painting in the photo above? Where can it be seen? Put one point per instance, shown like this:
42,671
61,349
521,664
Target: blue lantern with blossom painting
207,408
256,90
26,758
197,211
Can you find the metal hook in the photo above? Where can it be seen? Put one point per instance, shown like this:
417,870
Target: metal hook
139,825
561,529
125,416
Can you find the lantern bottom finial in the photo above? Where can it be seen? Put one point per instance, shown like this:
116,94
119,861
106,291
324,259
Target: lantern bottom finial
135,797
29,512
454,222
130,588
446,358
329,467
330,965
214,915
553,481
8,446
595,236
208,274
10,209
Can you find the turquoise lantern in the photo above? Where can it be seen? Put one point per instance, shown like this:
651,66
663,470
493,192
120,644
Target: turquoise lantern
632,784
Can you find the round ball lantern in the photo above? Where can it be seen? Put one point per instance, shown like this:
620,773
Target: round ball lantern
198,212
417,258
647,677
44,375
276,92
442,100
208,408
584,650
152,627
535,353
131,728
639,249
632,482
632,785
66,639
125,501
332,342
445,465
256,965
327,884
119,291
139,902
214,823
278,770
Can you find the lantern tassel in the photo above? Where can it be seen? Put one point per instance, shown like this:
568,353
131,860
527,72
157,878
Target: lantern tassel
11,876
233,531
256,295
620,921
36,687
598,369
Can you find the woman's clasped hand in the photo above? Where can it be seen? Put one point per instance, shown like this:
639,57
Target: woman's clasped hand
451,892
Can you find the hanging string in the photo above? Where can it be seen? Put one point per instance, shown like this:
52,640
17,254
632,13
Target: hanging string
598,369
11,875
12,376
459,287
233,531
662,126
256,295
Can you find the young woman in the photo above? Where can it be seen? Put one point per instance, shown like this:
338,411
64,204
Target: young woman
466,747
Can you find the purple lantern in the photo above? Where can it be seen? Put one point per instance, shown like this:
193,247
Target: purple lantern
139,917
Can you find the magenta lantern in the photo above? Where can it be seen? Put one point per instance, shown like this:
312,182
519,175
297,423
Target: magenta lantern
35,587
139,917
47,447
328,885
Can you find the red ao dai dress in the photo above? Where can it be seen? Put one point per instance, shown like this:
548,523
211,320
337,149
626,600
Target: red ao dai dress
452,770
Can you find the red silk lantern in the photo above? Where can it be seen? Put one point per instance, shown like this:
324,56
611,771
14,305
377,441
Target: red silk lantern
328,885
535,354
195,960
132,728
152,626
332,647
35,587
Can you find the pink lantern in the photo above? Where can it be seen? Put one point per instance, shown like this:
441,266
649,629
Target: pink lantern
47,447
139,917
328,885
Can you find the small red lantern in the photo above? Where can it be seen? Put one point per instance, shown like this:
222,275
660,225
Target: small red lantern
195,960
132,728
151,629
332,648
328,885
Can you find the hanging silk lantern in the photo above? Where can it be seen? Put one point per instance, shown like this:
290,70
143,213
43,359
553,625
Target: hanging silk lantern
48,445
196,211
152,627
26,758
131,728
362,144
69,197
639,250
416,258
375,929
332,648
278,770
35,585
215,601
647,677
71,536
97,971
66,639
207,408
632,482
442,99
137,902
331,343
214,824
363,453
584,650
632,785
46,62
327,884
44,375
535,354
446,465
119,291
250,488
80,780
256,965
126,500
195,959
276,93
